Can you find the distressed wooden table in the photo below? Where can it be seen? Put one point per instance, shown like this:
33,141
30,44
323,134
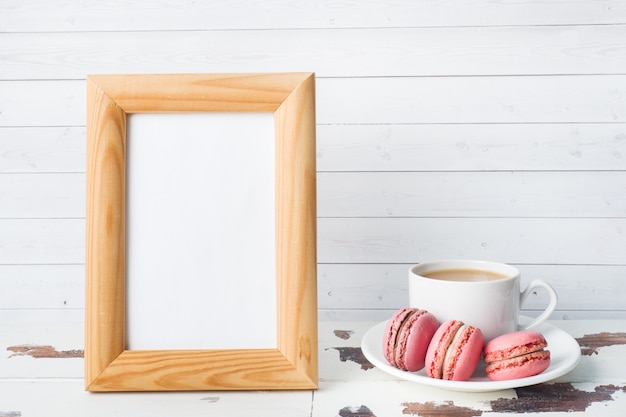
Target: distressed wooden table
41,370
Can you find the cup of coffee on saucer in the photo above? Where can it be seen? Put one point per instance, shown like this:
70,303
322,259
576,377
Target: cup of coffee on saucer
483,294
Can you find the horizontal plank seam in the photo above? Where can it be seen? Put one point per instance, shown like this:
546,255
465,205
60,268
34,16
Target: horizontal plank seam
512,263
474,217
344,264
466,171
44,264
319,28
82,126
74,309
383,217
529,123
376,172
354,264
524,309
357,77
42,218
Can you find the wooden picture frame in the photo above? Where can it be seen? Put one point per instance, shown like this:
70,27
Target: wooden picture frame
109,365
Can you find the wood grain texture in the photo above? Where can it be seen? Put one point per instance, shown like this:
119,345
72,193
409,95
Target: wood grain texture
296,228
188,370
109,365
139,93
105,259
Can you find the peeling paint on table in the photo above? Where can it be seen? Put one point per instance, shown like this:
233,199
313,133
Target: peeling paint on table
439,409
344,334
349,386
210,399
557,397
362,411
38,352
591,343
541,398
354,354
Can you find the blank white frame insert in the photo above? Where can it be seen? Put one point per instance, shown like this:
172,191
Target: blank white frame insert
201,231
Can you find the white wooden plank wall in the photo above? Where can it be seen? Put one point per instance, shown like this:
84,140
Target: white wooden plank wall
478,128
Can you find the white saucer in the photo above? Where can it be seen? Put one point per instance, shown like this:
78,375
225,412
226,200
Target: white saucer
564,356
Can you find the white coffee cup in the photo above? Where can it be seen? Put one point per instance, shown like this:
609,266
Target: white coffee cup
491,302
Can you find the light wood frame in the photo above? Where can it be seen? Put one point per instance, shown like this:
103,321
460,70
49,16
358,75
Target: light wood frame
109,366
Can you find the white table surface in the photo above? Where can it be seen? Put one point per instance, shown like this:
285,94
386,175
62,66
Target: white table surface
41,374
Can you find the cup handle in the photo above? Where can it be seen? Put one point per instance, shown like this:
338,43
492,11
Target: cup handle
537,283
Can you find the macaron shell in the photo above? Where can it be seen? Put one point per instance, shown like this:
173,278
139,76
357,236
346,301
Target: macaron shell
406,338
438,346
519,367
414,339
465,353
513,344
391,333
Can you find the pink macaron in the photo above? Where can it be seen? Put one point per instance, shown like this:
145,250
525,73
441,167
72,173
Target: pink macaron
406,338
516,355
454,351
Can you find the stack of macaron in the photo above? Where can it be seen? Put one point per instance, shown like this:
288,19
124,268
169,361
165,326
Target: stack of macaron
413,339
